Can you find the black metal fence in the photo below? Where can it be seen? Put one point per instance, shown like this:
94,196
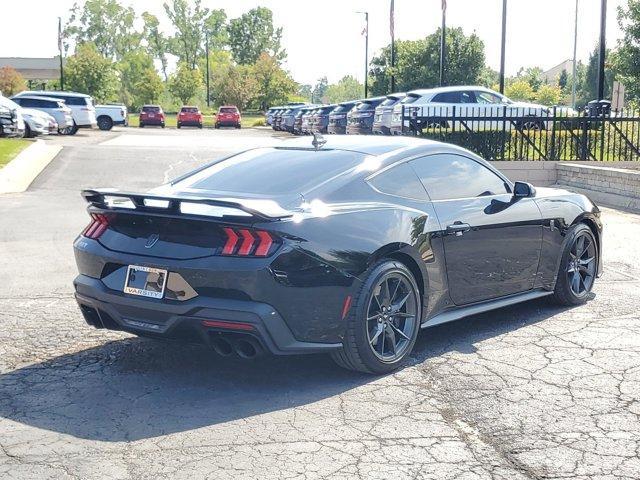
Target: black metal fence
516,133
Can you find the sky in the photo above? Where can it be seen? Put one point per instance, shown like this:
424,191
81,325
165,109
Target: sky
324,37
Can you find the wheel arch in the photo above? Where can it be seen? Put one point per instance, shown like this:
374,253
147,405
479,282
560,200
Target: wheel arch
409,257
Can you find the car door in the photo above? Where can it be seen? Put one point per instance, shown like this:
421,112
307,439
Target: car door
492,241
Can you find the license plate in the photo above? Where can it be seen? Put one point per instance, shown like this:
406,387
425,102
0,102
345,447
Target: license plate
151,115
145,281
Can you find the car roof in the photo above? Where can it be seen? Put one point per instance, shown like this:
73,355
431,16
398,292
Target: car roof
40,97
53,93
189,106
228,106
455,88
397,95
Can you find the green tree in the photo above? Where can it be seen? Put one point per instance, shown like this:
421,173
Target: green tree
89,72
320,90
520,90
548,95
11,82
533,76
418,62
237,87
305,91
105,23
275,85
157,44
139,80
252,34
184,83
589,89
192,23
628,54
563,79
347,88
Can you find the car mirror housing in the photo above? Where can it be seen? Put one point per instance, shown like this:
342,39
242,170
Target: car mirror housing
523,190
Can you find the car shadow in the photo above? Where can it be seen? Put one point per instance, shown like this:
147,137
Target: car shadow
134,389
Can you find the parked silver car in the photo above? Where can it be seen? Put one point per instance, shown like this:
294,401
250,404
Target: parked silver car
13,123
37,122
53,106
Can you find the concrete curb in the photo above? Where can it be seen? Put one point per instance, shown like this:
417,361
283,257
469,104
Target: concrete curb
18,174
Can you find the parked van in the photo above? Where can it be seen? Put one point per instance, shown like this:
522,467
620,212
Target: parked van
384,112
338,117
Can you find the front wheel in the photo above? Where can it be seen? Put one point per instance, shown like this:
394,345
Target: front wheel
578,267
383,322
105,123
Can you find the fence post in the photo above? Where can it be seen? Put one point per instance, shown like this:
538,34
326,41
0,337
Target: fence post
504,132
552,154
402,121
584,147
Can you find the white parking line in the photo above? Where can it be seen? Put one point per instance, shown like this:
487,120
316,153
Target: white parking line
219,142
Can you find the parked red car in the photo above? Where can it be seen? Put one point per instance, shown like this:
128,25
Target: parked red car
151,115
191,116
228,116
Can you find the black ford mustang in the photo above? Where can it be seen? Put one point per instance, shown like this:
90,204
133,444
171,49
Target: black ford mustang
347,248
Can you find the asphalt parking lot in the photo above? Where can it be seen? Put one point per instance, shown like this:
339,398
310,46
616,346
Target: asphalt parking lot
527,392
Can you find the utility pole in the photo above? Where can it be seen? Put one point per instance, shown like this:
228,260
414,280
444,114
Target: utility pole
366,52
504,38
60,53
206,52
393,46
443,42
575,49
603,50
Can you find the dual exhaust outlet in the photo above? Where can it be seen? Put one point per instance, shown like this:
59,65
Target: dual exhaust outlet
247,348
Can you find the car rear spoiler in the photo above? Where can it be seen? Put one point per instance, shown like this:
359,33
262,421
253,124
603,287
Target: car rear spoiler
143,203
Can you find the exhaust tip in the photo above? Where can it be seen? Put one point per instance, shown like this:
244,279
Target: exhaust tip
222,347
247,349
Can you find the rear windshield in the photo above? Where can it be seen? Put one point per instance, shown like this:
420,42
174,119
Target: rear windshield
388,102
189,109
410,99
228,110
150,109
364,106
273,171
342,108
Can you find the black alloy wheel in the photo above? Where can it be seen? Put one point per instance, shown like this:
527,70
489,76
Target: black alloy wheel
578,267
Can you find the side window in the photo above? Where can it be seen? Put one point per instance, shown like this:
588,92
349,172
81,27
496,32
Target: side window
467,97
447,176
447,97
400,181
27,102
486,97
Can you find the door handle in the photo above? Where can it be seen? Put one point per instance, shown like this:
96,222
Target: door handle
458,228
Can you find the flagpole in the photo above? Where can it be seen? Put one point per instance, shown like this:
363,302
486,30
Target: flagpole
393,47
366,56
60,51
443,42
573,69
366,51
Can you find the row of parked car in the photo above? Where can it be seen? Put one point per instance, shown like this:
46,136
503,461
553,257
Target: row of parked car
32,113
385,115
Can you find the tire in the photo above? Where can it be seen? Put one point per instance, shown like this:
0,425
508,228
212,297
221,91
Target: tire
73,129
105,123
177,125
200,125
141,125
27,131
162,125
238,126
365,326
573,285
216,126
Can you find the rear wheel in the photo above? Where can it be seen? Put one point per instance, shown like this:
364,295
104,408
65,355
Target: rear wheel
578,267
27,131
384,320
105,123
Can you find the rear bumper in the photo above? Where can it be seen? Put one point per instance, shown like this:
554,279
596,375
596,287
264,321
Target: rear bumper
104,308
381,129
337,129
358,130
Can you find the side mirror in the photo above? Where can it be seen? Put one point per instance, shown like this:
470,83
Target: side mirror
523,190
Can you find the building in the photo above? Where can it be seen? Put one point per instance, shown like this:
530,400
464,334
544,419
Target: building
34,68
551,76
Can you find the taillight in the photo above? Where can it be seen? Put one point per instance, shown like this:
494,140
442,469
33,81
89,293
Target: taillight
99,224
247,242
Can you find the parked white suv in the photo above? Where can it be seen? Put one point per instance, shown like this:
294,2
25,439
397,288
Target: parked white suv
468,101
53,106
81,105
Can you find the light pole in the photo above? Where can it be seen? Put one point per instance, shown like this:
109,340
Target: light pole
393,45
573,69
504,38
603,51
366,52
206,52
60,53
